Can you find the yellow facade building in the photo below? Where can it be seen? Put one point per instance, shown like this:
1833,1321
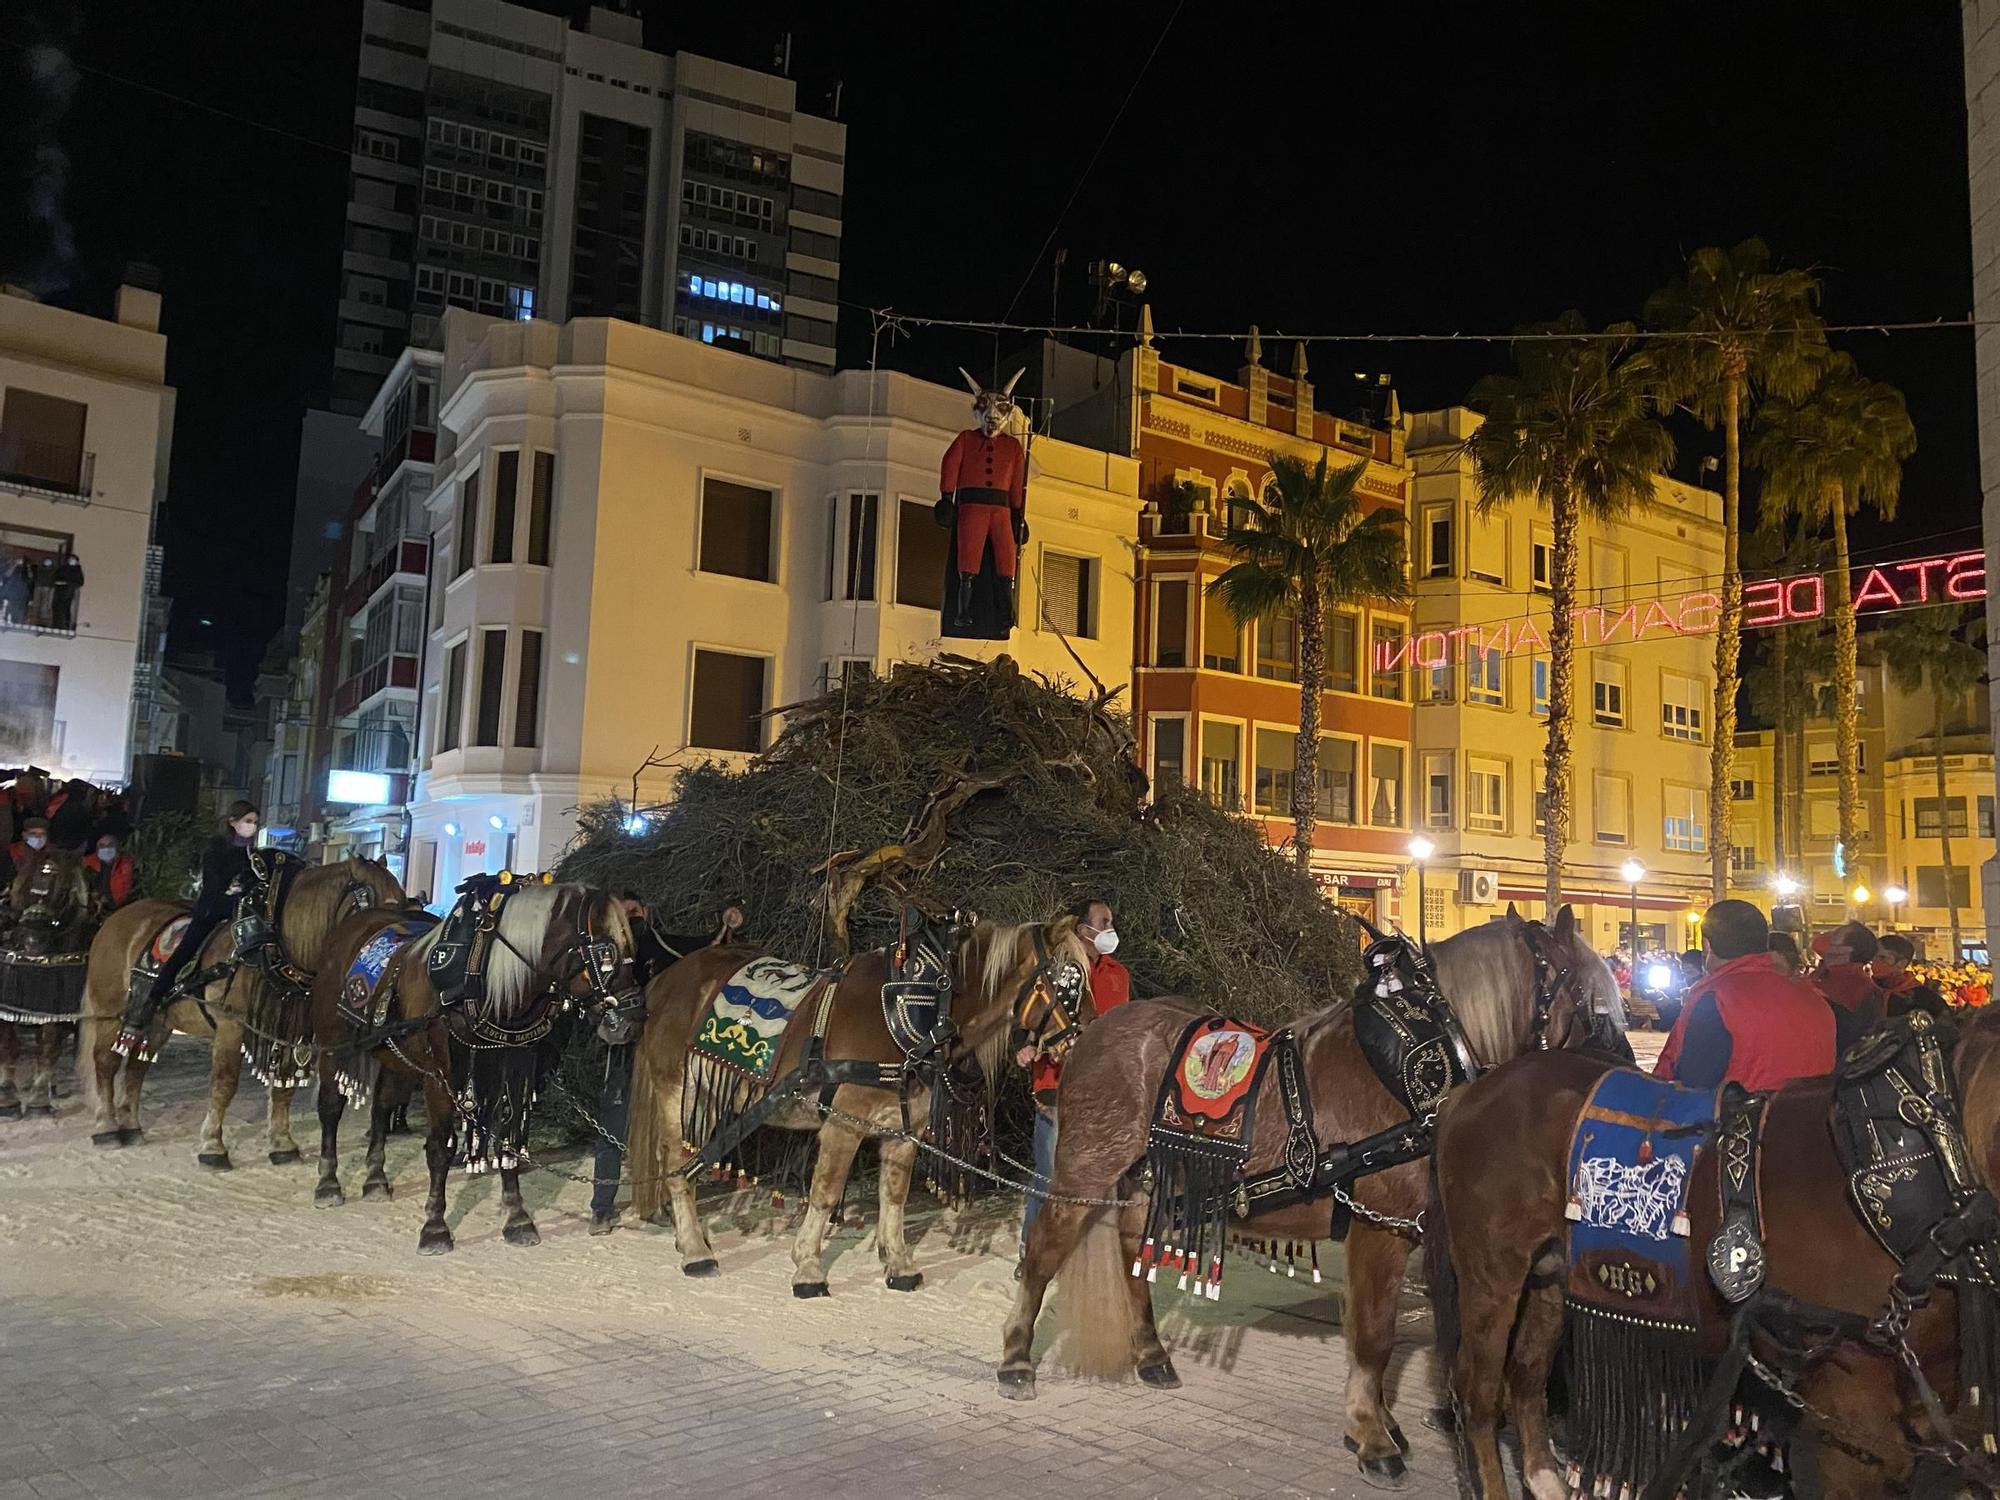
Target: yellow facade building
1904,826
1643,690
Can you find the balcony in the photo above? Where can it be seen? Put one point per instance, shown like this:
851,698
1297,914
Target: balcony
48,470
389,672
403,556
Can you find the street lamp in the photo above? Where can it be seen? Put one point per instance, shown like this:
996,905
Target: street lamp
1895,895
1421,849
1634,872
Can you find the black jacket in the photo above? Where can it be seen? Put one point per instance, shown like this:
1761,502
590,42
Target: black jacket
222,863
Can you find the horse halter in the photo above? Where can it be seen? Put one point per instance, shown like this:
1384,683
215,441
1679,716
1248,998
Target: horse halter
1551,980
620,1006
917,993
1049,1003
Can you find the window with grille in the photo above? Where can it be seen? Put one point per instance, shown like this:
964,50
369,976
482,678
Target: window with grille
1067,588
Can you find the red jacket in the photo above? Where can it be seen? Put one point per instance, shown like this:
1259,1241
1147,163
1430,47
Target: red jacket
975,461
1852,991
1110,985
115,882
1747,1023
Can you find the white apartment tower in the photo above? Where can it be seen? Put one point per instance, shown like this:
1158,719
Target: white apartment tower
507,162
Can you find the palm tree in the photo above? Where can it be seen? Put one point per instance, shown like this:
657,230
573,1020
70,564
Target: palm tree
1944,645
1824,457
1304,549
1734,328
1784,686
1572,428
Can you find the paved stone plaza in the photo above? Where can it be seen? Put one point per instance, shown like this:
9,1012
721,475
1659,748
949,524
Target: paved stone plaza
167,1331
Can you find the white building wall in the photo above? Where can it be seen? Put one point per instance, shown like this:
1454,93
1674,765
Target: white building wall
117,371
637,420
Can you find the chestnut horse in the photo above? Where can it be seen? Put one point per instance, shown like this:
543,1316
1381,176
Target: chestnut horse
554,948
319,896
1497,1257
1112,1080
997,974
47,915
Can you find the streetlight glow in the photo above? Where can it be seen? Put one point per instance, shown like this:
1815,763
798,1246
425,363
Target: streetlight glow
1633,871
1784,885
1421,848
1895,895
1860,894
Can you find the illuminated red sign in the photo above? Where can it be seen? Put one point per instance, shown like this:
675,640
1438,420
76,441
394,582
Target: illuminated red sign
1959,578
475,846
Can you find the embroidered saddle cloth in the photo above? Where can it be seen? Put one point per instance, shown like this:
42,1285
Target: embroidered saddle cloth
745,1022
365,1001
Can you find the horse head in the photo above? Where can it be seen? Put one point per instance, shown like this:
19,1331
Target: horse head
569,941
1029,979
1577,1003
45,898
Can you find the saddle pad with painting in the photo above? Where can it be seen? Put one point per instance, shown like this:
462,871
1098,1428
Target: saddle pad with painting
365,1000
1634,1276
736,1044
1197,1147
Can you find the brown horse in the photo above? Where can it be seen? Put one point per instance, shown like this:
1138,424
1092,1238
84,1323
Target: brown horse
998,975
48,913
553,948
1106,1104
319,896
1497,1257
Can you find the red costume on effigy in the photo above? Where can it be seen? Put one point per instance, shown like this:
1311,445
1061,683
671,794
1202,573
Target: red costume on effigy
983,489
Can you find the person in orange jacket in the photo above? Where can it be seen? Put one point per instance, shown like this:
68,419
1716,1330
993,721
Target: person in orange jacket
111,873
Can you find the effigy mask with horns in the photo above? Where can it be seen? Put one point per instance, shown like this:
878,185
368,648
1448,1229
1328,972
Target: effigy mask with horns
992,409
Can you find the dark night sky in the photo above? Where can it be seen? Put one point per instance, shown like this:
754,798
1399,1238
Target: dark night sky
1410,167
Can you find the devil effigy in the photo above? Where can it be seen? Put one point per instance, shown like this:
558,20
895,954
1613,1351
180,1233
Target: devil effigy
983,496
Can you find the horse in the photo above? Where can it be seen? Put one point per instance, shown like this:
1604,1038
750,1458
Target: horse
41,975
1497,1263
993,978
317,898
1512,984
470,1007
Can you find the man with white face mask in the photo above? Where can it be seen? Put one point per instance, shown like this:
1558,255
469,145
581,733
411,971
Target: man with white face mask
1110,985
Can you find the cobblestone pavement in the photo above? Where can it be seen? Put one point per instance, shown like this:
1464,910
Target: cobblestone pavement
168,1332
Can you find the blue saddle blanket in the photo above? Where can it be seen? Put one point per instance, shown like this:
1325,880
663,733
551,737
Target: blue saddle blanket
1631,1159
361,993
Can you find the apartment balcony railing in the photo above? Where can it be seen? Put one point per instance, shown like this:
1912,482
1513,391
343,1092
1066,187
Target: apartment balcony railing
389,671
28,467
405,556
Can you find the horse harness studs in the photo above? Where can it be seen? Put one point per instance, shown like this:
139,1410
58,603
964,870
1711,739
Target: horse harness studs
461,958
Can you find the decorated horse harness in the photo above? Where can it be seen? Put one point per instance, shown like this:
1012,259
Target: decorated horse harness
43,953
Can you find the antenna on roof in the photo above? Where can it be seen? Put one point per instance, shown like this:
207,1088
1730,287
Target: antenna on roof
781,56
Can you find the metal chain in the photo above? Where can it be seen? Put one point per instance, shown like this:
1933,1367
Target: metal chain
1362,1211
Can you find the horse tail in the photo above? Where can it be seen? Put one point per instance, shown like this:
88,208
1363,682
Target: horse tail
1097,1318
644,1159
1439,1277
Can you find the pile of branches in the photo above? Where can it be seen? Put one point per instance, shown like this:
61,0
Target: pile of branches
964,784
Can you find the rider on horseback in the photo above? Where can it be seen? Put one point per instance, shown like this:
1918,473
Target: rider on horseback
225,869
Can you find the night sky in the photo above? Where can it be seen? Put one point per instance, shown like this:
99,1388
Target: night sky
1396,169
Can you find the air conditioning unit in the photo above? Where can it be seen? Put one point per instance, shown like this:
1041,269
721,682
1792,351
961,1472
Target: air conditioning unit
1478,887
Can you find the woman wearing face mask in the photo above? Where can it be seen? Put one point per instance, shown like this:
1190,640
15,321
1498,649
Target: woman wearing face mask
224,863
34,838
1110,985
110,872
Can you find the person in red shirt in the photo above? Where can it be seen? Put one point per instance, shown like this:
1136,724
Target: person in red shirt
1110,985
984,478
1744,1022
110,873
34,838
1844,978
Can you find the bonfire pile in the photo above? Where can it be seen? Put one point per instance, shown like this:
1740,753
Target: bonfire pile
959,783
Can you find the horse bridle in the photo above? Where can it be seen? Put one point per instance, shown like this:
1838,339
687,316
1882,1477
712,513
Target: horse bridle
1049,1003
620,1009
1551,980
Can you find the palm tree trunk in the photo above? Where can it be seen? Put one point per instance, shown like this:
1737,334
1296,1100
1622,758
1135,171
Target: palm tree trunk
1846,732
1944,831
1780,757
1562,667
1305,750
1728,642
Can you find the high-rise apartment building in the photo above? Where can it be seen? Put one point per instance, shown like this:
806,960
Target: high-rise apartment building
507,162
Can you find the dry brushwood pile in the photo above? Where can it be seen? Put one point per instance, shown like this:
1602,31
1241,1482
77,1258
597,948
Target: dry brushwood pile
959,783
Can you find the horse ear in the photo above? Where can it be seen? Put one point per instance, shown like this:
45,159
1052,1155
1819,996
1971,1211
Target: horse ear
1565,922
1513,915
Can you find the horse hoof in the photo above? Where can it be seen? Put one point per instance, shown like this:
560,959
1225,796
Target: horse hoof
435,1240
44,1111
1017,1385
216,1161
521,1234
284,1158
1388,1473
908,1283
130,1135
1162,1376
107,1138
1441,1419
328,1195
804,1289
704,1268
376,1191
10,1111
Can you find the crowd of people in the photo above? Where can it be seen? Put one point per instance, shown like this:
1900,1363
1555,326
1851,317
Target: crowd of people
38,813
1761,1012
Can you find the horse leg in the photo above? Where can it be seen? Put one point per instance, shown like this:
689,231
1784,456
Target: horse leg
520,1226
435,1238
381,1116
1149,1355
898,1259
332,1104
225,1069
104,1101
39,1098
10,1054
1490,1283
278,1128
1052,1239
1536,1338
1376,1260
837,1145
129,1128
